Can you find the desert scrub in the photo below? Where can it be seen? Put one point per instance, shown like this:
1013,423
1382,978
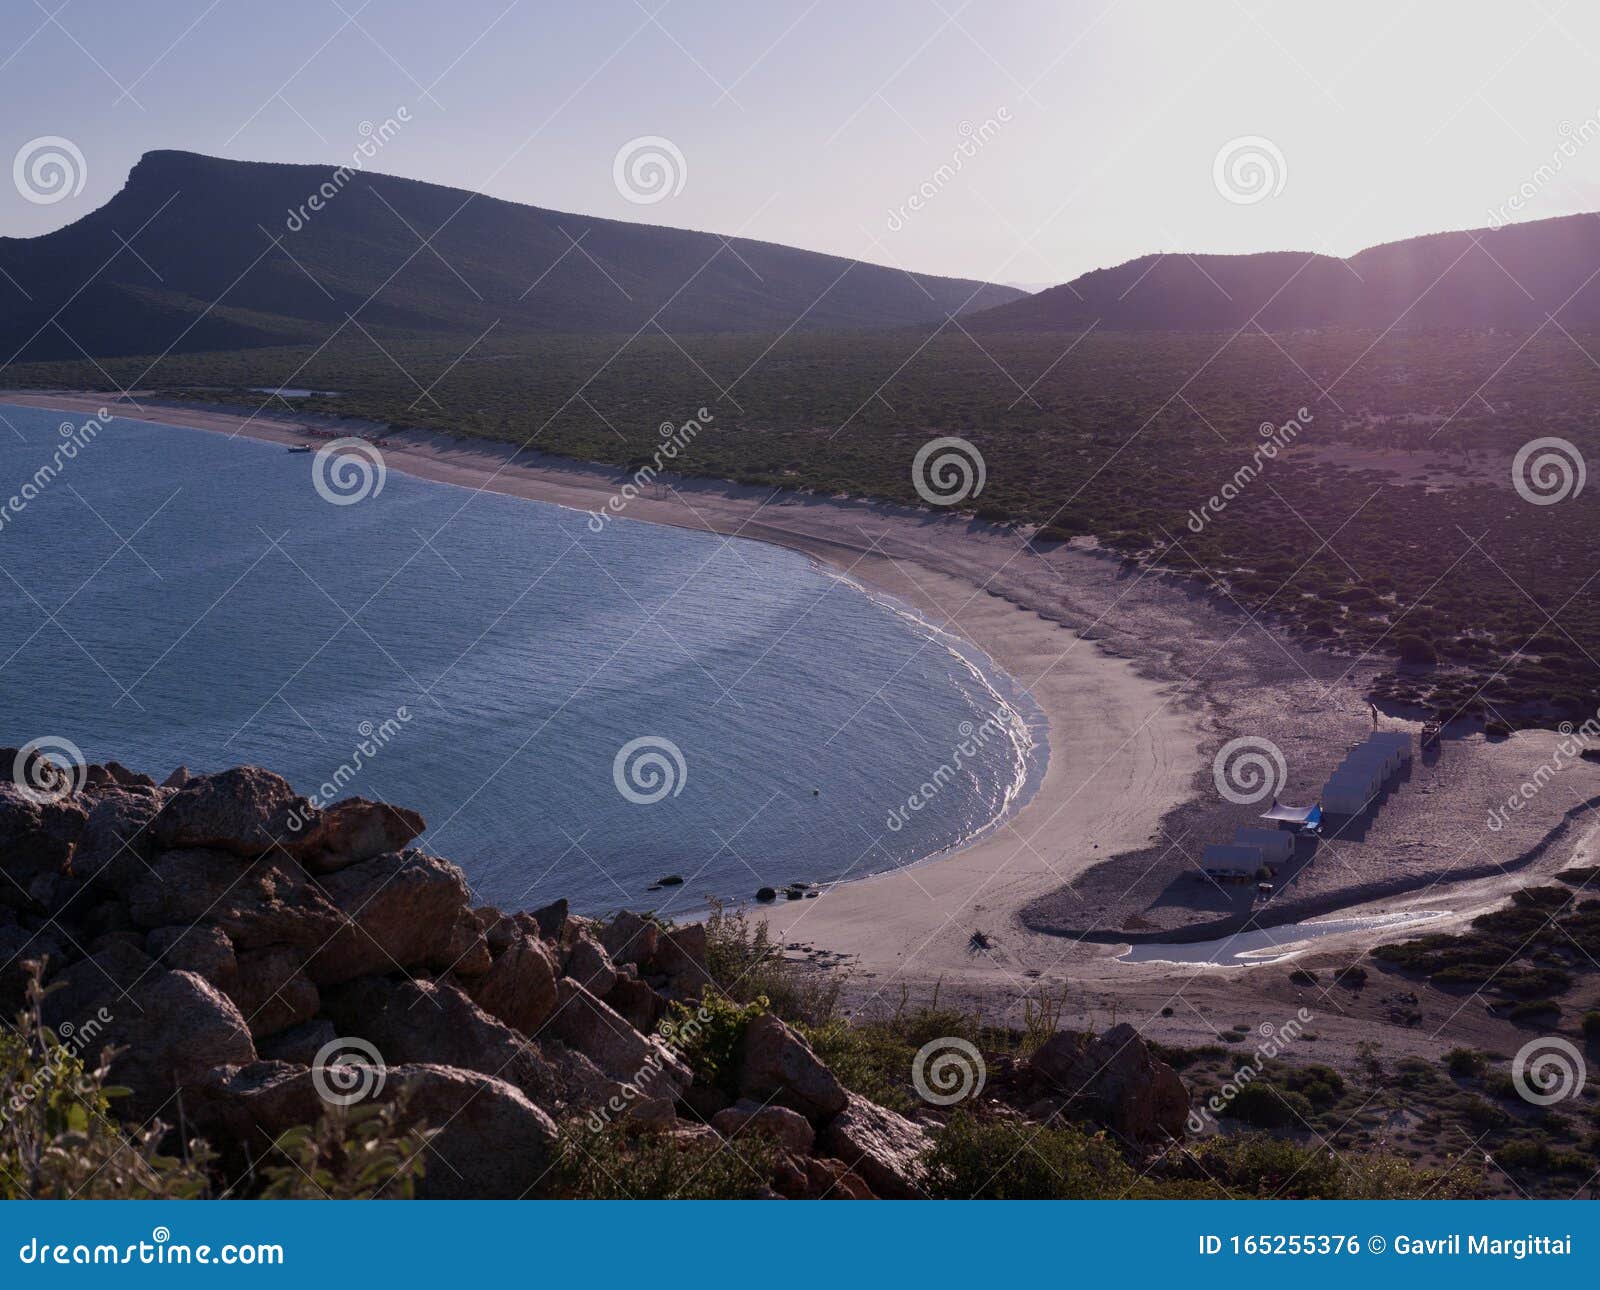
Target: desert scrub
58,1139
708,1036
744,964
1011,1160
1255,1165
351,1153
618,1165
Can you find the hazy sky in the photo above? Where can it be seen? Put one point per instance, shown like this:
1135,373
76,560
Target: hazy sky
815,123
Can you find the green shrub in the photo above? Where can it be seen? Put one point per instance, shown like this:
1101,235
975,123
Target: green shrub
1006,1160
708,1036
618,1165
1464,1062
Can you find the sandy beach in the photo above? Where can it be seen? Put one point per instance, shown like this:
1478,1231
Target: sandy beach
1140,678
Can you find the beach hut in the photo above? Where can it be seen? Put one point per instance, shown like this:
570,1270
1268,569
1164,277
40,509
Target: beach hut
1275,844
1231,862
1347,793
1399,740
1381,755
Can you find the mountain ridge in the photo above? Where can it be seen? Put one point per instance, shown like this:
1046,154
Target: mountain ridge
216,263
1515,276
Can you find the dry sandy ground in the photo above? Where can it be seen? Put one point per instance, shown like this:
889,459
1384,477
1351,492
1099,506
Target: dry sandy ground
1140,678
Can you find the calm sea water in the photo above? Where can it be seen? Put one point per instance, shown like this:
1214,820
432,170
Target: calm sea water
173,596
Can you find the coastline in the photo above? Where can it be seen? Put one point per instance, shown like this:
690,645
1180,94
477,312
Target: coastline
1121,744
1139,675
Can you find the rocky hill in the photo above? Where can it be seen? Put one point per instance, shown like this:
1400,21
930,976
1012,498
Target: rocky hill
250,962
1514,277
202,253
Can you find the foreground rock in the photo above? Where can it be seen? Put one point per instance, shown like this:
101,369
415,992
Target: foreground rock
1118,1079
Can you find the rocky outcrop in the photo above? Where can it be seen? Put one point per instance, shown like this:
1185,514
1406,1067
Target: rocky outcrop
249,958
1118,1079
245,811
883,1147
777,1065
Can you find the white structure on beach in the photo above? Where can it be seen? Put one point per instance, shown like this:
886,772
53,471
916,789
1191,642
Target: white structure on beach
1220,860
1275,845
1360,777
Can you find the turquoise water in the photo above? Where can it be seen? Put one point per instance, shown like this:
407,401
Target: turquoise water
173,596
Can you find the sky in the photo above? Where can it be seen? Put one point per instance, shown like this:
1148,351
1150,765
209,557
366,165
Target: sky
1008,140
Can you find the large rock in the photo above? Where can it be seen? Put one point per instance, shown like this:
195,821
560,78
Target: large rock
272,991
882,1146
1118,1079
777,1065
36,837
585,1023
103,978
491,1143
354,830
406,910
415,1021
245,811
117,844
639,1005
257,903
173,1030
628,938
203,949
520,987
590,966
789,1129
681,955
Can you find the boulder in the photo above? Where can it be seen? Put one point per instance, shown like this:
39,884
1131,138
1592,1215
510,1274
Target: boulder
245,811
639,1005
833,1180
681,955
257,903
1118,1079
414,1021
520,986
551,919
629,938
120,774
203,949
404,911
272,991
777,1065
177,779
36,837
172,1030
590,966
102,978
116,845
882,1146
585,1023
789,1129
299,1044
21,952
491,1143
354,830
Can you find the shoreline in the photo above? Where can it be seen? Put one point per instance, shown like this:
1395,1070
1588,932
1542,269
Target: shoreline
1120,746
1139,676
